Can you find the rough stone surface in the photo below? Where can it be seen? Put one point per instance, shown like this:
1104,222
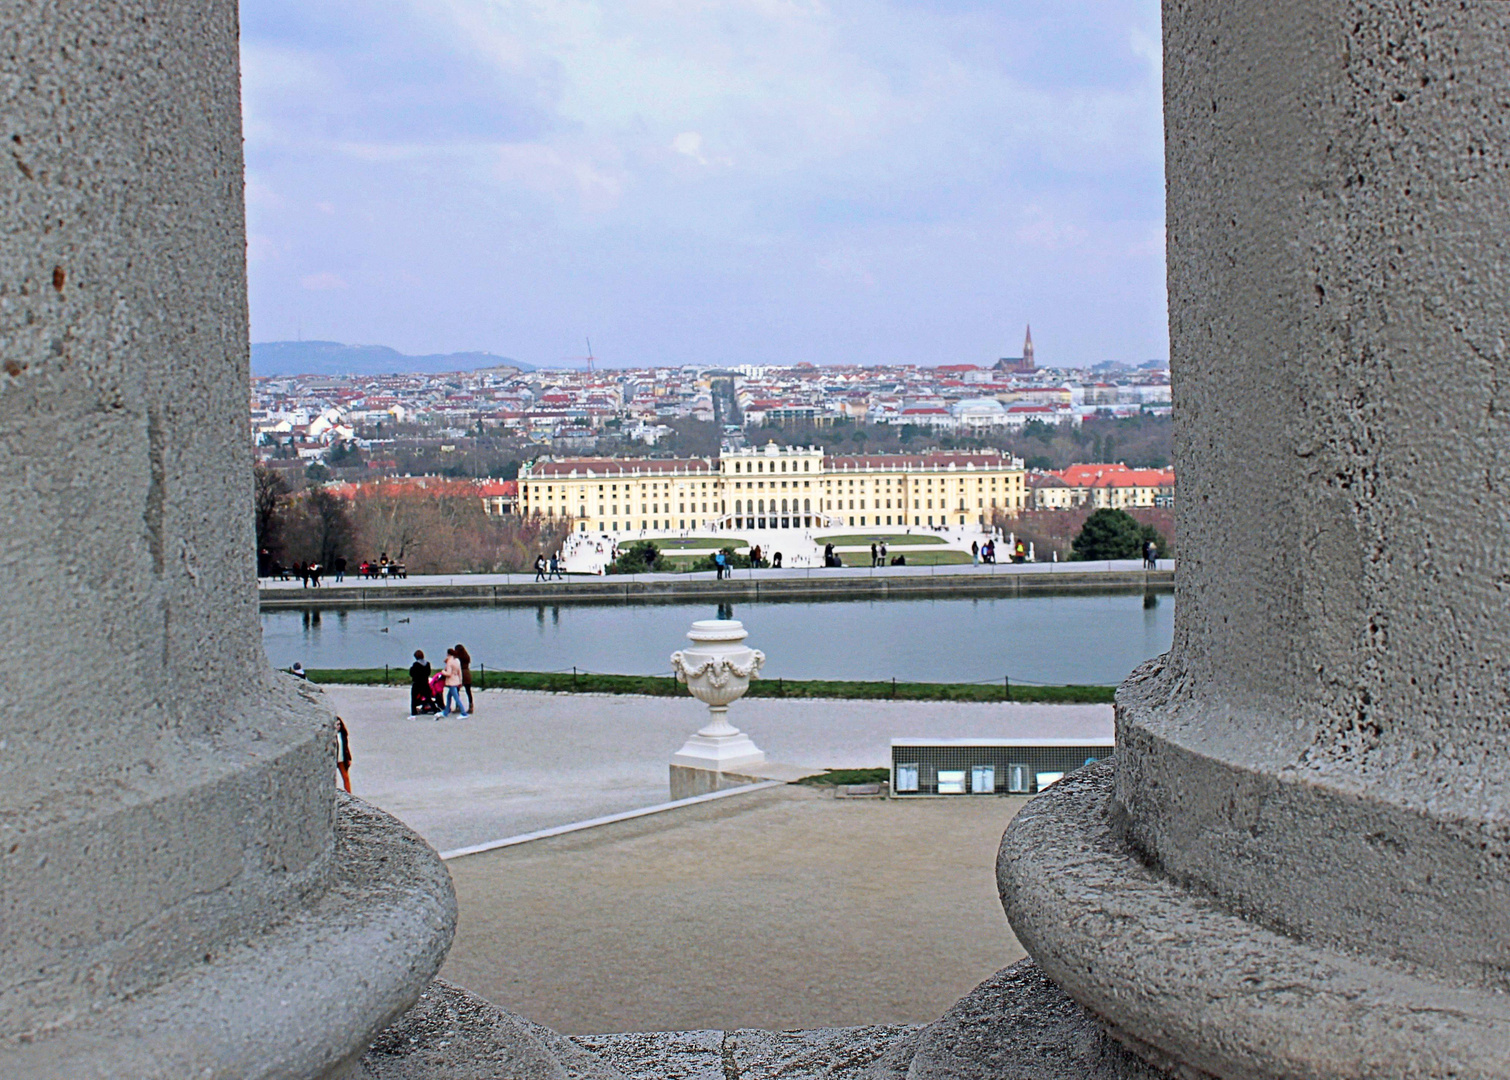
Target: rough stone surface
819,1054
1017,1025
661,1055
300,1000
178,809
1325,745
1179,976
1305,866
453,1035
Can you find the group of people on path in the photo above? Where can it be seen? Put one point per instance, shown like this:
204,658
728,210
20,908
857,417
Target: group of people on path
308,573
439,692
384,567
986,553
546,569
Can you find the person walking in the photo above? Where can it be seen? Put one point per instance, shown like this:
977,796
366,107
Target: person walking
466,672
340,568
974,553
875,555
303,571
453,685
343,753
1150,556
540,567
718,565
883,552
419,683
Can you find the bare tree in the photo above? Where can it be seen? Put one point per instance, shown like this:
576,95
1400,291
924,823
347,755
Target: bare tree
269,493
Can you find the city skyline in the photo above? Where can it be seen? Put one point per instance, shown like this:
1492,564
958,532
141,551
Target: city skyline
863,182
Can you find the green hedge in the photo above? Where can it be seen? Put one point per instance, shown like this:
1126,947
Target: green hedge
666,686
836,777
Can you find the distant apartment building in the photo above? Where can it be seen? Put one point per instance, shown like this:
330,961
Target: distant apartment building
774,488
498,496
1101,486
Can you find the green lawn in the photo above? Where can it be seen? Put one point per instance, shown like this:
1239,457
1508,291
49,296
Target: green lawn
698,543
914,558
892,539
666,686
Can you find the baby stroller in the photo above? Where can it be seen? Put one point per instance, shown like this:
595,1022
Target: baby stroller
425,697
437,692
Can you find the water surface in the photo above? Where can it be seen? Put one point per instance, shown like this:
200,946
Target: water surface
1036,639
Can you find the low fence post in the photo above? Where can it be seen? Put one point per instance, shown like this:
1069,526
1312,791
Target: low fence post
1007,685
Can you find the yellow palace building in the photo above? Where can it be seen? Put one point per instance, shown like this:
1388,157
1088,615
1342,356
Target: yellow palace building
774,487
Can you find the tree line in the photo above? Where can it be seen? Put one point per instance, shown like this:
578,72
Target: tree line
440,528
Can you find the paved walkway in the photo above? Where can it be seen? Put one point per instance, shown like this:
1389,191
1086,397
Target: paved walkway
526,761
425,580
589,553
781,909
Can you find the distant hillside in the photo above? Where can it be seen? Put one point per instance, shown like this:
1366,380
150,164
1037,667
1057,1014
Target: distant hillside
333,358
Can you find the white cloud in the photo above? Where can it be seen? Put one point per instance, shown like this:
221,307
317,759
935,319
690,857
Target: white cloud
690,144
705,153
563,172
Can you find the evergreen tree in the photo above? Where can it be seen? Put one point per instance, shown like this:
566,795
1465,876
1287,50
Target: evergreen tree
1114,534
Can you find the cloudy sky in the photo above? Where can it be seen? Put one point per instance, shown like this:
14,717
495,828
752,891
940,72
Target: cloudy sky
686,181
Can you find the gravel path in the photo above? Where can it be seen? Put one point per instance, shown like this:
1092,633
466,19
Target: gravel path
784,908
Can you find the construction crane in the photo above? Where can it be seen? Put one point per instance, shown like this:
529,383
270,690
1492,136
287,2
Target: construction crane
578,359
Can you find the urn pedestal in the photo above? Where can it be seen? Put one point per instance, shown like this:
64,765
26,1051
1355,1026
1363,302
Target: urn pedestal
717,669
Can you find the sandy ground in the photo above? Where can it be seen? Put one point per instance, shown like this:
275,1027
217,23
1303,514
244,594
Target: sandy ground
525,761
785,908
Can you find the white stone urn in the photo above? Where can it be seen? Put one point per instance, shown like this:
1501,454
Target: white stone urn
718,669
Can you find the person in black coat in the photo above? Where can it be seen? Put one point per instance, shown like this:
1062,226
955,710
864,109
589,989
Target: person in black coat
343,753
419,684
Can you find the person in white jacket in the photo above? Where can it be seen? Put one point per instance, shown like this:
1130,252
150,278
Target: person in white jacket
453,684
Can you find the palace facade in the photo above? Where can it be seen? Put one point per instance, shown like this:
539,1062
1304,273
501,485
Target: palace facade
774,487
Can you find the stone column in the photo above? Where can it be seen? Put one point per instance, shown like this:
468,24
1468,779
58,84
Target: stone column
179,894
1299,864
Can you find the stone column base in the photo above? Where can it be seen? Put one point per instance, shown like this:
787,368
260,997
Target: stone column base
1180,978
300,1000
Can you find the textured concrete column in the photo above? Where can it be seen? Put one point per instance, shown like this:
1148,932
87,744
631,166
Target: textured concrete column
179,894
1302,866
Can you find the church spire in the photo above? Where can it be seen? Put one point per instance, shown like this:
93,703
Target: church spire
1027,350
